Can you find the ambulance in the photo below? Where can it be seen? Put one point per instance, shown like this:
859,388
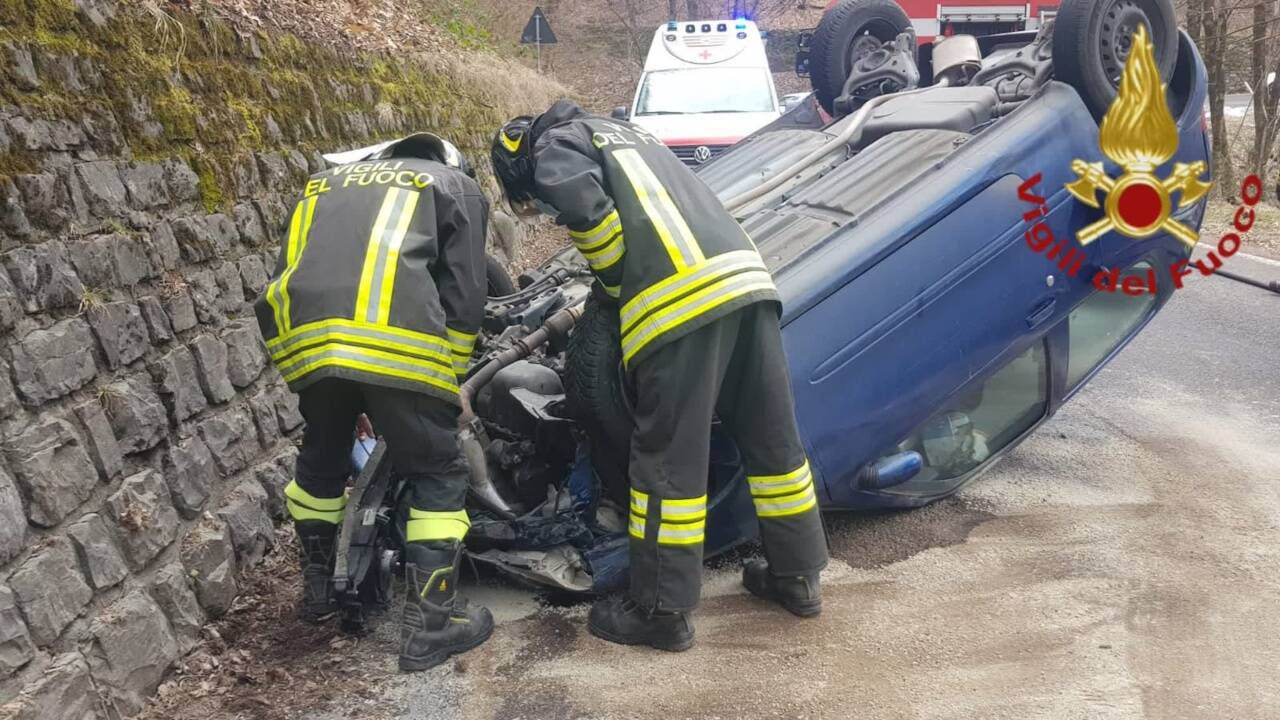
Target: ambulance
706,85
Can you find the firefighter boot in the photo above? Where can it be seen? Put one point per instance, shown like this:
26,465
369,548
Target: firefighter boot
620,620
316,540
797,594
436,623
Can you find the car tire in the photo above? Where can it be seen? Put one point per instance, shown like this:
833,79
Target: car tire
593,386
1091,41
497,279
849,29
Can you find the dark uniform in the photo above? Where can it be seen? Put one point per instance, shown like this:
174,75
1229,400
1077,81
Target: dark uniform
700,336
374,306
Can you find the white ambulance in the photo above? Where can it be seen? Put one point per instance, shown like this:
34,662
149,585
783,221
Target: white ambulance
706,85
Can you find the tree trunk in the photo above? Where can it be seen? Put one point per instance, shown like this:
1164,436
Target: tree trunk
1215,45
671,9
691,7
1258,73
1195,22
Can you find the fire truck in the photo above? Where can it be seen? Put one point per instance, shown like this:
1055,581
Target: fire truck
932,19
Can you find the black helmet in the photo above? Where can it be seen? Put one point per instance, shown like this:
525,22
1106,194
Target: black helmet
512,156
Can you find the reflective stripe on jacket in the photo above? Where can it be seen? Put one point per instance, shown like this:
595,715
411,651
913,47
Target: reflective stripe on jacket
656,237
381,278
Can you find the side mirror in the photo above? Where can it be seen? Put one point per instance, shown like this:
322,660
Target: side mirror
619,113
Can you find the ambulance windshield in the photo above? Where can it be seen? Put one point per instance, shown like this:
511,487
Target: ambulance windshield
705,90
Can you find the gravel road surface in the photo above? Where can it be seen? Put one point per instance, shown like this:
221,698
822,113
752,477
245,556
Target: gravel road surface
1124,562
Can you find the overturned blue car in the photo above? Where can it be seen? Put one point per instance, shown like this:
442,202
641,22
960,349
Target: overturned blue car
920,212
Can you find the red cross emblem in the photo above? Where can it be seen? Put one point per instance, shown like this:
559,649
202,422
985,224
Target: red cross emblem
705,54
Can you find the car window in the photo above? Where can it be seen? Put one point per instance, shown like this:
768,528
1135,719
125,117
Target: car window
979,422
1099,324
705,90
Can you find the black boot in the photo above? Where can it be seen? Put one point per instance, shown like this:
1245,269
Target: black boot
436,623
316,540
620,620
797,594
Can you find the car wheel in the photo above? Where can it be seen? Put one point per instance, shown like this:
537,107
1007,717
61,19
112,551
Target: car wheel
593,385
1091,41
600,400
847,32
497,279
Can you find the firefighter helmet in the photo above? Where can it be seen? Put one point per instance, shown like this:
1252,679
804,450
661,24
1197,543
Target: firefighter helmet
512,156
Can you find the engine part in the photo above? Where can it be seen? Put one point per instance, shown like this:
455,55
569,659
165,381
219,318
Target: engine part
496,402
889,69
956,60
1017,75
471,434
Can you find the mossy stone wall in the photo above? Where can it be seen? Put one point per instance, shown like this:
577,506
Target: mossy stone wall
148,161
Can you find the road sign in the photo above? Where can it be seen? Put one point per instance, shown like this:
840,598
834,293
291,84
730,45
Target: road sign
537,31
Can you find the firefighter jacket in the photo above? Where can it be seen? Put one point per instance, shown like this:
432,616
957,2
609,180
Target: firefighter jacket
381,279
656,237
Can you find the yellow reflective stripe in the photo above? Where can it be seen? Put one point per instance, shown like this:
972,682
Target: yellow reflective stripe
461,344
793,504
787,483
295,251
681,533
602,229
301,512
508,143
294,491
392,260
705,300
612,291
459,340
635,526
302,505
640,500
684,510
432,525
663,213
656,295
371,361
410,341
339,337
277,291
372,250
360,352
607,256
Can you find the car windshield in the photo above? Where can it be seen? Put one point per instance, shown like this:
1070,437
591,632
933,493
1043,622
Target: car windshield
705,90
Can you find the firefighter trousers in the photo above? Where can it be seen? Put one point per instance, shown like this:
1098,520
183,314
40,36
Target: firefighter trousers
422,441
733,368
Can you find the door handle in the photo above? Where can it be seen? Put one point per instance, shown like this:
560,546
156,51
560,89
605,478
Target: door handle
1042,311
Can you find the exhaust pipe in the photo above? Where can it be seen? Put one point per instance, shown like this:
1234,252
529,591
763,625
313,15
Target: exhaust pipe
471,433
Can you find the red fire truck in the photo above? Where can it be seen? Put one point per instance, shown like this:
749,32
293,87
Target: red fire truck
974,17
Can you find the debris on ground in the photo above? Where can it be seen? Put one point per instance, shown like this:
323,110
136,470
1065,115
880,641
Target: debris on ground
260,662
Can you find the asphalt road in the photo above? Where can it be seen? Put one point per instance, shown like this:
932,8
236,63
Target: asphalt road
1124,562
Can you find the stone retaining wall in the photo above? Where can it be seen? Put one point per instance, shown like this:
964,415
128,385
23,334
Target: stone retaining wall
147,166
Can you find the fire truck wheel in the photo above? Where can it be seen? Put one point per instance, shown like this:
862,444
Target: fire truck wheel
1091,40
848,31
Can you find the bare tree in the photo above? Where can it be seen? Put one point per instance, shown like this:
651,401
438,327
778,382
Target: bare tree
1265,96
1214,17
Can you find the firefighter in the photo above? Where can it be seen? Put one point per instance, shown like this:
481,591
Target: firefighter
700,330
373,308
